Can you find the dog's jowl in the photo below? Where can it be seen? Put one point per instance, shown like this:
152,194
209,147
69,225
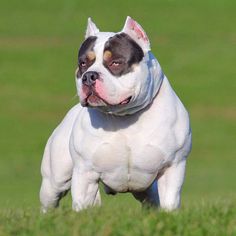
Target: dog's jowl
130,131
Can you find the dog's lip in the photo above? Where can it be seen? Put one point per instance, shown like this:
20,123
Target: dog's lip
93,93
86,102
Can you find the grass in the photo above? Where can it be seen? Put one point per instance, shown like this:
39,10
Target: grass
195,44
216,218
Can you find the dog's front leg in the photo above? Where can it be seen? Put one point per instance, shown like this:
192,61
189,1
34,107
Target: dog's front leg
170,185
84,189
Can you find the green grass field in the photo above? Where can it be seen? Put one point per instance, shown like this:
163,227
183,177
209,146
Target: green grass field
194,41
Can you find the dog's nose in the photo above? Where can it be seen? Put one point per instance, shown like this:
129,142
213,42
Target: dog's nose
89,78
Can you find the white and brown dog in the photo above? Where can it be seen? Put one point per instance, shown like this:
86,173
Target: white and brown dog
130,130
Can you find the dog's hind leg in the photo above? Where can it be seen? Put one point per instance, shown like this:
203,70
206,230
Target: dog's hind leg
149,197
109,191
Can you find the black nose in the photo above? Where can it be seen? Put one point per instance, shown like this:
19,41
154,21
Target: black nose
89,78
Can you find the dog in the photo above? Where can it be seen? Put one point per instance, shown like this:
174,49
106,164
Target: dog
130,130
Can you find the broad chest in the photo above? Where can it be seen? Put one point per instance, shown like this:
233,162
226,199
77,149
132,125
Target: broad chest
108,144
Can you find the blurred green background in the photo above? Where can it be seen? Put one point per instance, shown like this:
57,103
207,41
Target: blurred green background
194,41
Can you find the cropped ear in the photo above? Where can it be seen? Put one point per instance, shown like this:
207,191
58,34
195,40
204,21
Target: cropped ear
136,32
92,29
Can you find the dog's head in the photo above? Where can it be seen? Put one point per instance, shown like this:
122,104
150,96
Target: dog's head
114,69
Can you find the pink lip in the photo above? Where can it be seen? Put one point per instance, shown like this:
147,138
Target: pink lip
95,98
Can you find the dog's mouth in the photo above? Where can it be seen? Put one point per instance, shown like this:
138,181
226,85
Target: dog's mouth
126,101
94,100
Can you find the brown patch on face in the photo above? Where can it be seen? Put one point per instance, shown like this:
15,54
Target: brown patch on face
86,55
107,55
91,56
121,53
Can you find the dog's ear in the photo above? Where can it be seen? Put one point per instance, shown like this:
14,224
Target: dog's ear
92,29
136,32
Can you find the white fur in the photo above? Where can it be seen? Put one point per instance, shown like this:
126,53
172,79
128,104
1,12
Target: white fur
127,149
92,29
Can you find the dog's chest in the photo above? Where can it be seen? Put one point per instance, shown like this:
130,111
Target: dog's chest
126,158
127,164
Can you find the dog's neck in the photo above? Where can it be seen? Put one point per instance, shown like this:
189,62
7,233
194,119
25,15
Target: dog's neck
149,90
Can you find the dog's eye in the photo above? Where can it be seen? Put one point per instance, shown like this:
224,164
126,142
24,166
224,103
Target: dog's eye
83,64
